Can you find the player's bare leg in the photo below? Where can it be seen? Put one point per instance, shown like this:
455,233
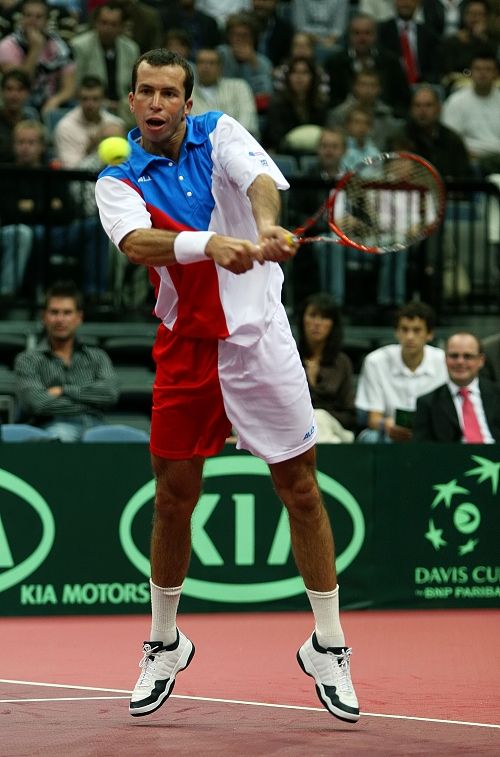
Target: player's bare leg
178,485
324,655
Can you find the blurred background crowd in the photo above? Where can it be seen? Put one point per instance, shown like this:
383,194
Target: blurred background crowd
321,84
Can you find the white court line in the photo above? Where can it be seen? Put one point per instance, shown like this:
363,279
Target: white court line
228,701
56,699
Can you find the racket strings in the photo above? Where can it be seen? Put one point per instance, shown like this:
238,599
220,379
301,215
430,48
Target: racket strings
387,206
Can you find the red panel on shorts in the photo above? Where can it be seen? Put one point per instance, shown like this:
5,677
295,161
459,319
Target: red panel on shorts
188,417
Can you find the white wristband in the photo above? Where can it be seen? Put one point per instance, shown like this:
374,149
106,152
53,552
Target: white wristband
189,246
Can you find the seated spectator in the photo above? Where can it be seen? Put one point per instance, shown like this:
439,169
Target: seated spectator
302,46
43,55
415,43
63,385
212,91
143,24
107,53
76,134
393,376
318,266
359,141
39,211
442,16
15,94
362,53
240,59
424,134
366,91
179,41
476,35
328,369
474,112
300,103
466,407
186,15
83,193
222,11
491,368
275,32
327,21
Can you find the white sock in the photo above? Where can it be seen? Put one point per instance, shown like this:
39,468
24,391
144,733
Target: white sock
325,607
164,603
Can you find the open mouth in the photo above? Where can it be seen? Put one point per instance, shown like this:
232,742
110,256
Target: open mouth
155,123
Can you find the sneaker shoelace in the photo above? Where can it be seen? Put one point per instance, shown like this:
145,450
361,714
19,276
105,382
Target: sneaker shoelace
342,665
147,657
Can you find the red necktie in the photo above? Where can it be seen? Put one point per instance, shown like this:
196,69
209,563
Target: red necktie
409,61
472,431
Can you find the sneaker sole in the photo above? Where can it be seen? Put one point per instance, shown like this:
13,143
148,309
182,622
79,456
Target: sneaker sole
137,712
347,717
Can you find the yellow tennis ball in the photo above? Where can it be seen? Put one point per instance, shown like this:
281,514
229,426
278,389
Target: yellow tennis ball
113,150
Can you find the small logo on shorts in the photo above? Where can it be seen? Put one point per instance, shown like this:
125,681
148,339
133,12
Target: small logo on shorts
309,433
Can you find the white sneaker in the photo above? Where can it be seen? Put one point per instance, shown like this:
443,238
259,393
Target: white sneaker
160,665
330,668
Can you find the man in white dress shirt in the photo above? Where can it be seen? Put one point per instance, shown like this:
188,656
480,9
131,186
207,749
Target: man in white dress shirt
393,376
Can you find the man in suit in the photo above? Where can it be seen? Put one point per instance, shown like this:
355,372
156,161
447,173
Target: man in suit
362,53
414,43
464,409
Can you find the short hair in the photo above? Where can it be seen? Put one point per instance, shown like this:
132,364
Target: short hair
64,289
417,309
337,130
466,333
31,124
44,3
244,18
111,5
426,87
160,57
18,75
358,109
91,82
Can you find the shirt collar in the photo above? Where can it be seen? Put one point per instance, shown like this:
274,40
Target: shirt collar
44,346
425,367
473,387
140,158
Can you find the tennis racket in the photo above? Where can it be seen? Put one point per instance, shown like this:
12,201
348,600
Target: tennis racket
385,204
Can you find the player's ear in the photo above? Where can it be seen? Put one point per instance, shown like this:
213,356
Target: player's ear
131,101
187,106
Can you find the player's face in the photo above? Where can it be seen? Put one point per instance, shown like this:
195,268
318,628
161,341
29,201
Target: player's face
160,107
61,318
316,326
463,358
412,334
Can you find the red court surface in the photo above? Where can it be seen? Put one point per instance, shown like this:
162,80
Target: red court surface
428,684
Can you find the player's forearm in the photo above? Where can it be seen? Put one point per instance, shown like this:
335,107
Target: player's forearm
265,201
154,247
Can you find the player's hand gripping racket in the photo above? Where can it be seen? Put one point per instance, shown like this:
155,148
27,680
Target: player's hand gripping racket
385,204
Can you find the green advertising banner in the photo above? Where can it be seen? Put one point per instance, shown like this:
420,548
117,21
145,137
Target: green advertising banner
415,526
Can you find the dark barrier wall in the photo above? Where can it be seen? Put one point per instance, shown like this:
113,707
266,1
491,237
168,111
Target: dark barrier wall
416,526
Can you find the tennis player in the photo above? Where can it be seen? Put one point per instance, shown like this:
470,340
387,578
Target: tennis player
198,203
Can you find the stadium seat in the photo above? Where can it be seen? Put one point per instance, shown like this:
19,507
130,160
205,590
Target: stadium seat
23,432
115,433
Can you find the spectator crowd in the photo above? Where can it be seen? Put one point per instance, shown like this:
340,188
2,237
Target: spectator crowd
367,76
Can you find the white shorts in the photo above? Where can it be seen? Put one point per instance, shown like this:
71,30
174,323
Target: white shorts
265,394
